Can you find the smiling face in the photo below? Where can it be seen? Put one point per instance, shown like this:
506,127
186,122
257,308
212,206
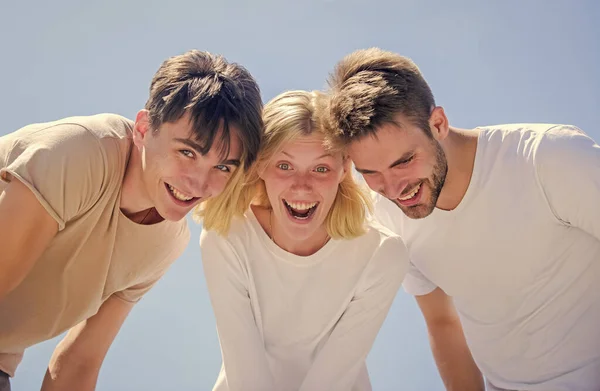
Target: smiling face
301,183
403,164
175,175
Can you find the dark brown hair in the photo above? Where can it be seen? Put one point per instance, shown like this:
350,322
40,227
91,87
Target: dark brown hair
217,94
370,87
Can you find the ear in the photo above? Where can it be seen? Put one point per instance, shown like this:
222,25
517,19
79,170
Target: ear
141,127
347,166
438,123
260,170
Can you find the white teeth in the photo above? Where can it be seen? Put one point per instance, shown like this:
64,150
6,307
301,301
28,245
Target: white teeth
411,194
301,205
179,195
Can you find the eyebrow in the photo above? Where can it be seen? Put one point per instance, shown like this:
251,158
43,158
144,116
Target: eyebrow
401,160
198,149
320,157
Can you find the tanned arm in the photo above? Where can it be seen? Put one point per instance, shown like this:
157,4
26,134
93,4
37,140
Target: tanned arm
77,359
452,355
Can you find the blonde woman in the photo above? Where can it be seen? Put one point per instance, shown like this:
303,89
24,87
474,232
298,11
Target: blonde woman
299,281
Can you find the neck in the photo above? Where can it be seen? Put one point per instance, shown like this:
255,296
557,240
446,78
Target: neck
460,147
294,246
134,198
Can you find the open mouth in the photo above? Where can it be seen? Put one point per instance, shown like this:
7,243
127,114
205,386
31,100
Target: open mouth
179,195
411,198
301,210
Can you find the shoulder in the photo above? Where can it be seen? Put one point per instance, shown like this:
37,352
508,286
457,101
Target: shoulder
510,149
387,248
564,153
561,141
518,138
85,138
386,257
240,238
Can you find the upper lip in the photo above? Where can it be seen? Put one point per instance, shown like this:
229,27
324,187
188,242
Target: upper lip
290,202
184,192
410,191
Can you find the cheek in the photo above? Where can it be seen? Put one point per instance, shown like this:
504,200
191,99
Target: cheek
218,181
425,169
372,182
275,186
328,188
170,164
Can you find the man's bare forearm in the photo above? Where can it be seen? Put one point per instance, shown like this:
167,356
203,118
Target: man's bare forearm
454,360
68,370
63,375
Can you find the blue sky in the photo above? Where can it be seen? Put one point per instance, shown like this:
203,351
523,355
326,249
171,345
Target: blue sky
487,63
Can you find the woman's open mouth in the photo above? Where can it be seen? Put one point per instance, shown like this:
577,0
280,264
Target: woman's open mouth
301,210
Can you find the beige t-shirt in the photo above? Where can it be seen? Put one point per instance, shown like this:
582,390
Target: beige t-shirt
75,167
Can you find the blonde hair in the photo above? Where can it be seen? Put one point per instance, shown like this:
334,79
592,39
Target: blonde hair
288,116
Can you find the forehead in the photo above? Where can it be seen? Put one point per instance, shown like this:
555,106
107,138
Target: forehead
389,142
182,130
401,133
305,145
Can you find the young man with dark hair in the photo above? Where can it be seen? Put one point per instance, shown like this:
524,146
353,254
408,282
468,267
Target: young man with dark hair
502,224
92,209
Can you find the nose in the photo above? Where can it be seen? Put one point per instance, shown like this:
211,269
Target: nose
302,182
393,186
199,183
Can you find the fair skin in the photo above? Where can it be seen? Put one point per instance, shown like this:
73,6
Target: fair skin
160,160
302,183
420,173
169,173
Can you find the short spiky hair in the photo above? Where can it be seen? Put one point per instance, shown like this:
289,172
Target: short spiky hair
217,94
370,87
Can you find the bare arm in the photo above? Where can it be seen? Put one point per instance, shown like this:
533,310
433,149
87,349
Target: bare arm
26,229
76,362
452,355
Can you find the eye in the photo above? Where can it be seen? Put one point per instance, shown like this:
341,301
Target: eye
283,166
187,153
404,162
322,169
222,167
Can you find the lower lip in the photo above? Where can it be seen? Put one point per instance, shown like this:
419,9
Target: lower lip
298,221
179,202
412,201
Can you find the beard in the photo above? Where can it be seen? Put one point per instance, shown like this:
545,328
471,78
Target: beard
434,183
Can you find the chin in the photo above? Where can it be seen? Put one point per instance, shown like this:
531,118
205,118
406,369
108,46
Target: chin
301,233
417,212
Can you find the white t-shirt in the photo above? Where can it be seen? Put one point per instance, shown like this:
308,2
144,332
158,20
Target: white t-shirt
520,255
287,322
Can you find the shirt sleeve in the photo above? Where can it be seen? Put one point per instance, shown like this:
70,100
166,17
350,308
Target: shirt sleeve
338,363
415,283
244,357
63,165
568,168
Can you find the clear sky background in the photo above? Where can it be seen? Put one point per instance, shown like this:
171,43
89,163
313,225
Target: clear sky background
488,63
